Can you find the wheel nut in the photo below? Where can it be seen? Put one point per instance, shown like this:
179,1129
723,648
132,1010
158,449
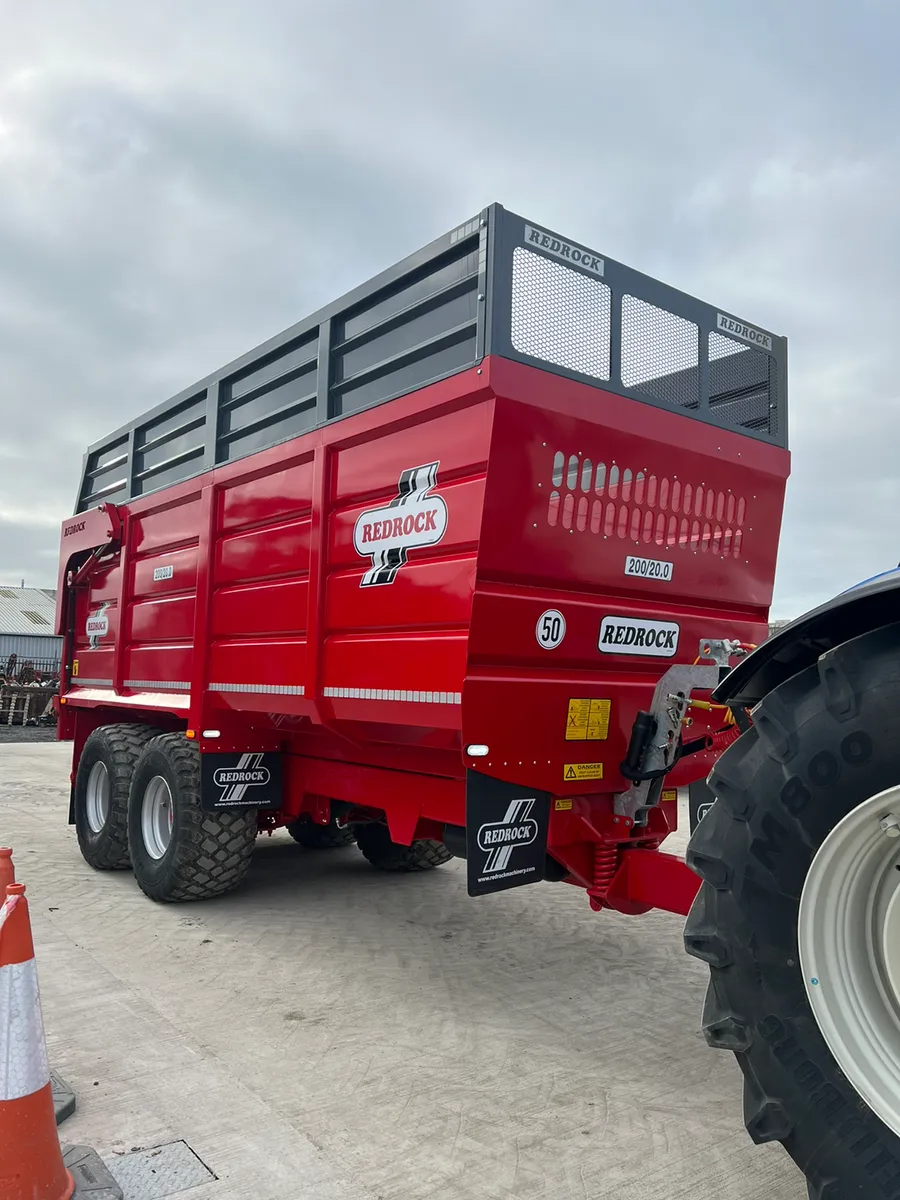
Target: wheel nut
890,826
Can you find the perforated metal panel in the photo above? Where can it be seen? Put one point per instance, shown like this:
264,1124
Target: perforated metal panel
493,286
560,315
742,384
660,353
658,337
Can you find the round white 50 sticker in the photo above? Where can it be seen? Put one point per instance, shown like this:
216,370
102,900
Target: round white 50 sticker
550,629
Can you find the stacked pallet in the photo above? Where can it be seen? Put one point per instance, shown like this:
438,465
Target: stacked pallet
23,704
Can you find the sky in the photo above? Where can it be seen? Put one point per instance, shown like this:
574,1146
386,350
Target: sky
178,182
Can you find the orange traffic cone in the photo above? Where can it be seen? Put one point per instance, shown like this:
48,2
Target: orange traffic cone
7,870
31,1163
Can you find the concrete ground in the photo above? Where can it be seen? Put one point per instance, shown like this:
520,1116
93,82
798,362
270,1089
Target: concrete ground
331,1033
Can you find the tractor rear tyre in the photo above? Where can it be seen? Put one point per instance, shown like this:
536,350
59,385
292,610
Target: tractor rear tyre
798,918
320,837
102,785
178,851
375,843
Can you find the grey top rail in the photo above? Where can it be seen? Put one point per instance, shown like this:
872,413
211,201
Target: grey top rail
496,285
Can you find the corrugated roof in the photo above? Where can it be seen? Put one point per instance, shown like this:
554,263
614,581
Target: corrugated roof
27,610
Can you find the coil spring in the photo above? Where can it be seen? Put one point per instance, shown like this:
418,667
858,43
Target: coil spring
606,859
725,738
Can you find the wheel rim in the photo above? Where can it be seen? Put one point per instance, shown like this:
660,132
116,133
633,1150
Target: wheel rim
849,939
157,817
97,797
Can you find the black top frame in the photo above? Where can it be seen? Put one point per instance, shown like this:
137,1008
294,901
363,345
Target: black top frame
495,285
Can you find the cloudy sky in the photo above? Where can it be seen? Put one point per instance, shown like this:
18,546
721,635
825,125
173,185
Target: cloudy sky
179,181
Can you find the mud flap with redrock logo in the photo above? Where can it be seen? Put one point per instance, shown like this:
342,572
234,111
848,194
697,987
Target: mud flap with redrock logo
506,834
240,781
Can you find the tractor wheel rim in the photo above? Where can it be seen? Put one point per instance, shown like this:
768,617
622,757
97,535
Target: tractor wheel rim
157,817
849,941
97,797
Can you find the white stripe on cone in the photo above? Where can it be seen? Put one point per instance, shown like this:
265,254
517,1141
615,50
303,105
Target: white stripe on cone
23,1054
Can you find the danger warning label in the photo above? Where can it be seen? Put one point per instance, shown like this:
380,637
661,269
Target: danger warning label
575,772
563,805
588,720
669,794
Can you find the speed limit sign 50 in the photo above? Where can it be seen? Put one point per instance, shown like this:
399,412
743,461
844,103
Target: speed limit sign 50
550,629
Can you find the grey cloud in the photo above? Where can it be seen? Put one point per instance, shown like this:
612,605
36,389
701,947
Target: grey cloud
178,183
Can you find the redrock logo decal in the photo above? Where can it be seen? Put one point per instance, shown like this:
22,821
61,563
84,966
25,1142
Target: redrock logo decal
747,332
246,773
97,625
631,635
567,251
75,527
413,519
499,838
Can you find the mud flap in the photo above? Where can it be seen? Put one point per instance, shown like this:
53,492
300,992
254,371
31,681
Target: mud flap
240,781
700,801
506,834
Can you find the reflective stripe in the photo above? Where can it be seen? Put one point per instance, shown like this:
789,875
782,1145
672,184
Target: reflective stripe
393,694
259,689
80,681
169,685
23,1054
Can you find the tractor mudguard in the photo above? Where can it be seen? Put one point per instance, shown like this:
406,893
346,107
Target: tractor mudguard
864,607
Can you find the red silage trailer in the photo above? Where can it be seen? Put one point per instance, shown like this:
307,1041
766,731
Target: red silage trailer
449,568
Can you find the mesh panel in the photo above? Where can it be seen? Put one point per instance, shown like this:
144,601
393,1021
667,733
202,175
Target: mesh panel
742,384
560,315
660,353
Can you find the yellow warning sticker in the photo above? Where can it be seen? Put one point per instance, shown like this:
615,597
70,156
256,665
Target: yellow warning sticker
74,666
580,771
588,720
563,805
670,794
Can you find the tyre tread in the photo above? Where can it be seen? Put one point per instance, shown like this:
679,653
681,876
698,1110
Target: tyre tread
320,837
377,848
752,1005
124,746
214,849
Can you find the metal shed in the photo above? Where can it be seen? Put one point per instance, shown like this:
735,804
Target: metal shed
27,617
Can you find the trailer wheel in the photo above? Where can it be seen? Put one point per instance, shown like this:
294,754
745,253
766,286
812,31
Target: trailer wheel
102,784
375,843
320,837
798,917
178,851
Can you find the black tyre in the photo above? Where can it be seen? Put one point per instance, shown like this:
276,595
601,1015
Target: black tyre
102,786
320,837
822,743
375,843
179,852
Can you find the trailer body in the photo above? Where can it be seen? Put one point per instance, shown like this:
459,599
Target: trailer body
425,557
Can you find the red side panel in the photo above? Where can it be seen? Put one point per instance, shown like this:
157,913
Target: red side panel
370,592
94,653
580,482
160,596
259,598
396,651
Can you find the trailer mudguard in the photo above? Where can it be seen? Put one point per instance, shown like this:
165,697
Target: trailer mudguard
866,606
